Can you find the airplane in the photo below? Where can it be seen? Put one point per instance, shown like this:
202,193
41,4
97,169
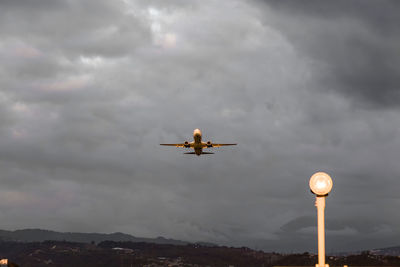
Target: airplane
197,144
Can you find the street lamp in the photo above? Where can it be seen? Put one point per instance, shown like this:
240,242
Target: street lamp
321,185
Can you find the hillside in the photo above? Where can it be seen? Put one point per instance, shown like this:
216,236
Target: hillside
39,235
110,254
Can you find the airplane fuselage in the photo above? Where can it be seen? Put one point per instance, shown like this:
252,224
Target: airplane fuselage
197,144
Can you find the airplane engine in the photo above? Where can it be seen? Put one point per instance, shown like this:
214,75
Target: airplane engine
209,144
187,144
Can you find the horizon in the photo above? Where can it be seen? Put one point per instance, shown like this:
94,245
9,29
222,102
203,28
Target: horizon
328,253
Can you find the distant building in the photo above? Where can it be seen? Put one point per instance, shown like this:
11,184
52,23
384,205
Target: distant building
122,250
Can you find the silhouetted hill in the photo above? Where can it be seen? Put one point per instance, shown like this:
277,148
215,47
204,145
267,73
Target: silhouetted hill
110,253
124,254
393,251
38,235
389,251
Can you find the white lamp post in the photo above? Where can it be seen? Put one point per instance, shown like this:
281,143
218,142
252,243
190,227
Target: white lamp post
321,185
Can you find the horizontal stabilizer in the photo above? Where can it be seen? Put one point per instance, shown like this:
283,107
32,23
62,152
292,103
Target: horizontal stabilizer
193,153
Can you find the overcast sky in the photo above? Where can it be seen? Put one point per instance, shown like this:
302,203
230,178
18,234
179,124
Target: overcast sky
88,90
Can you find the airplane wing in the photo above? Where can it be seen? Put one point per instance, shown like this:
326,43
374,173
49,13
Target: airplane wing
219,145
176,145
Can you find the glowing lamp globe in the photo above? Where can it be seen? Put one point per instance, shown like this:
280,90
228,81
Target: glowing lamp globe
321,183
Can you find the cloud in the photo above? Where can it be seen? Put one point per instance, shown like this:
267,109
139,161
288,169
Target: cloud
90,89
353,43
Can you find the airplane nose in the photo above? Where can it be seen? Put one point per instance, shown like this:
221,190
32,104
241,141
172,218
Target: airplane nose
196,132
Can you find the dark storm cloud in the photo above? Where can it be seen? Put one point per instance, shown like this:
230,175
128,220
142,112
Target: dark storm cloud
355,42
90,89
303,222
